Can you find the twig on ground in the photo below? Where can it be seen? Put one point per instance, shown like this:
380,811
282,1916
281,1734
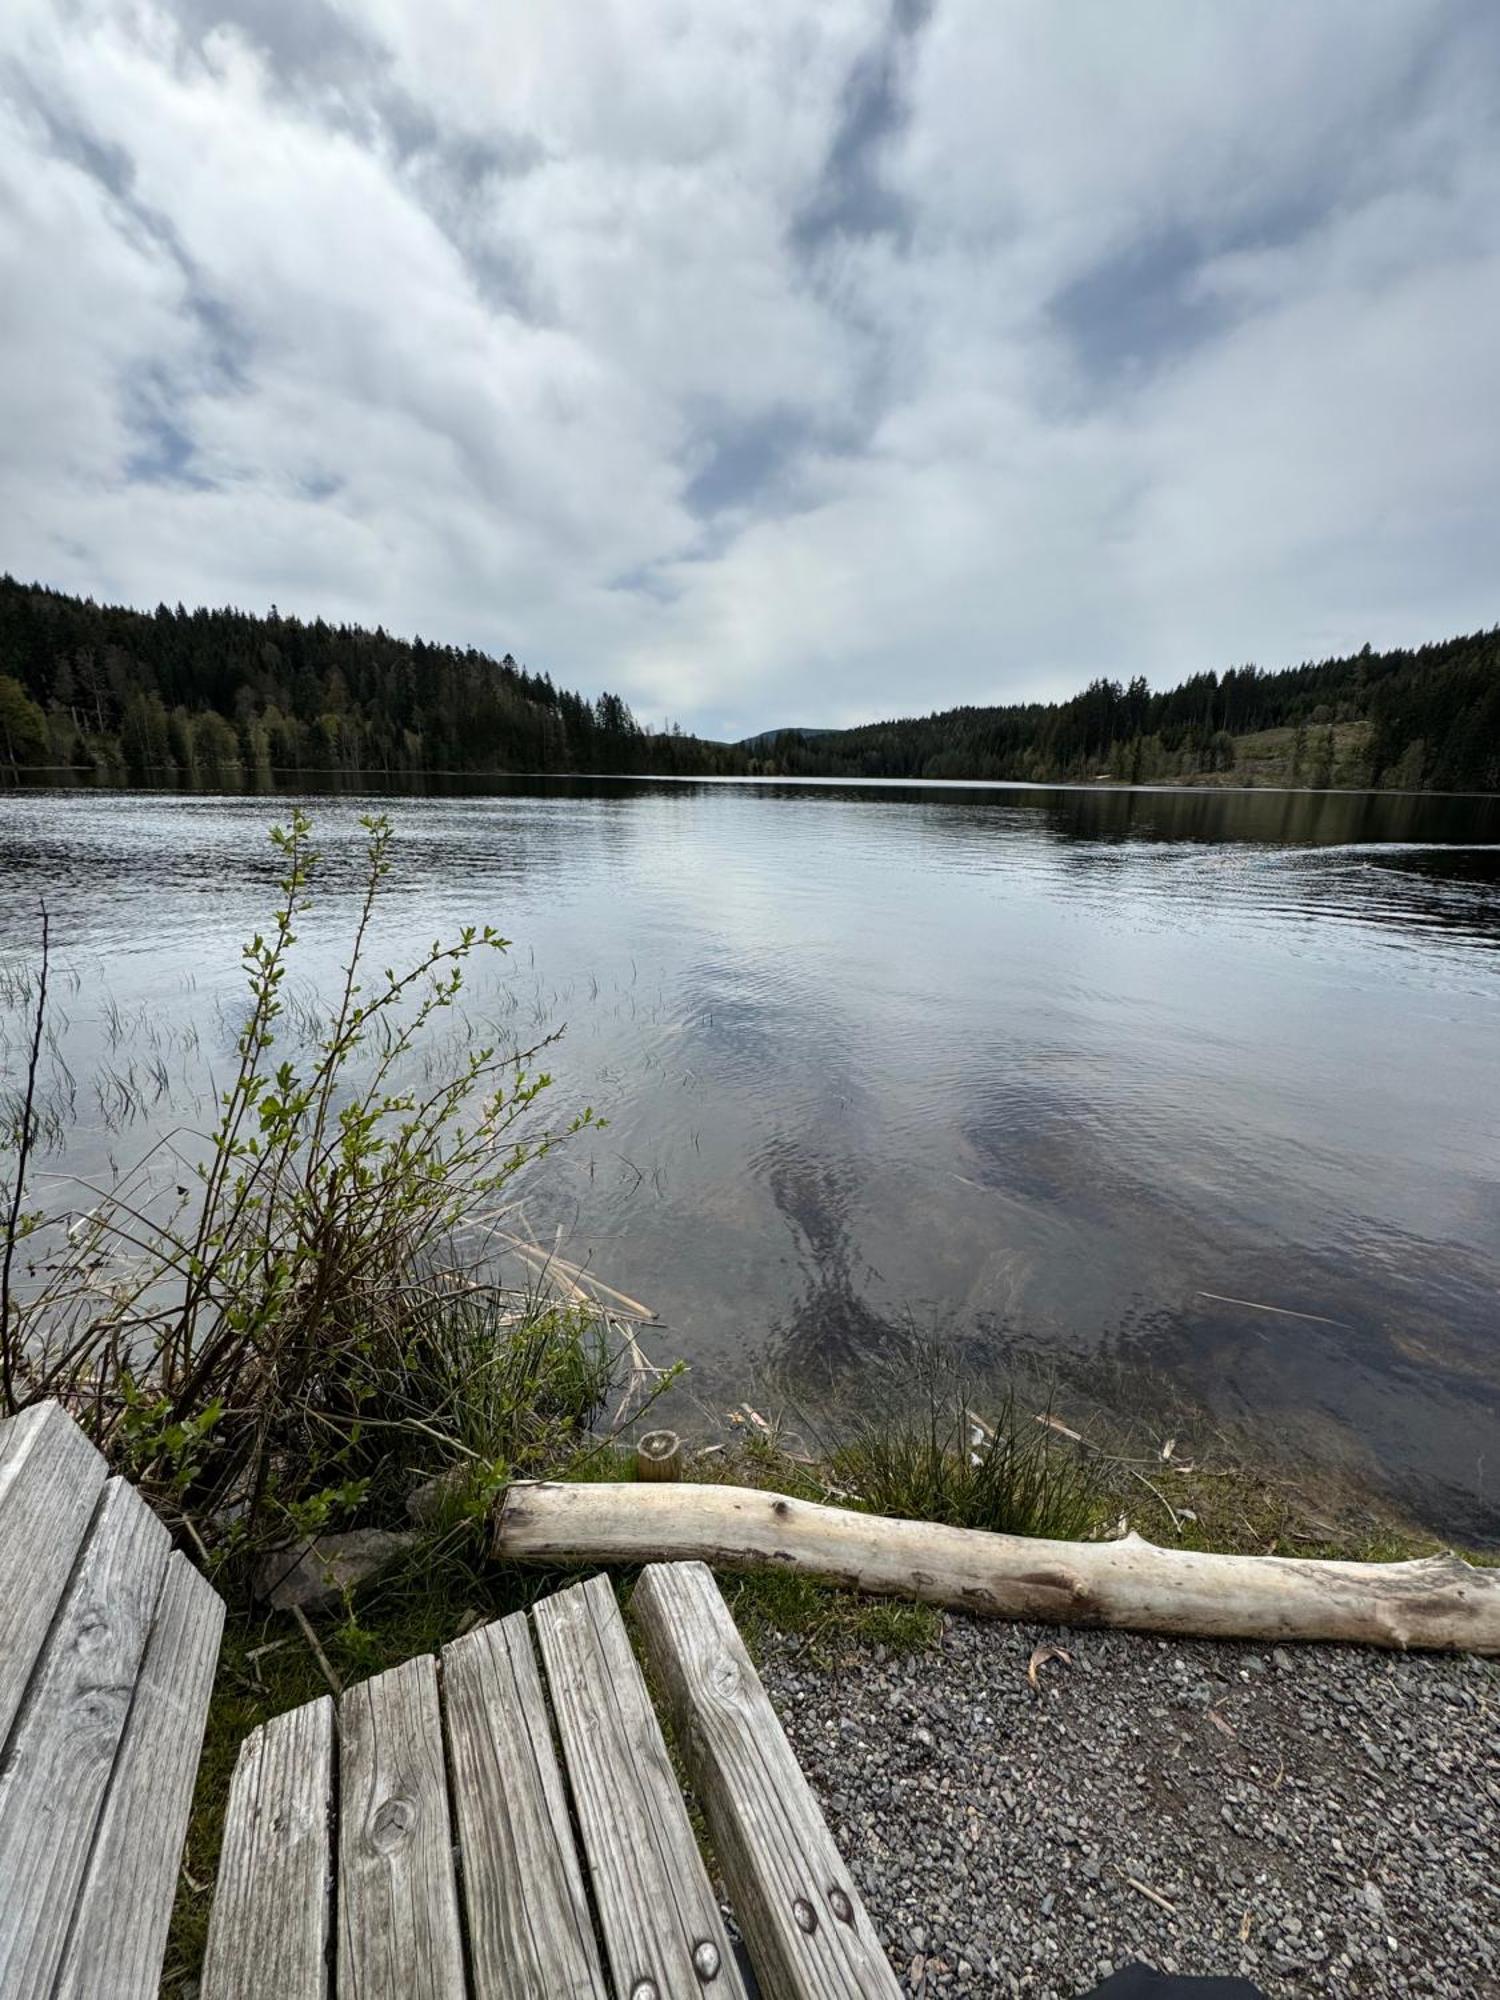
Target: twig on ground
317,1651
1145,1889
1172,1513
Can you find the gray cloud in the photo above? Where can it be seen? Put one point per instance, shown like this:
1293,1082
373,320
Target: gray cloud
747,464
761,361
1141,307
852,197
306,44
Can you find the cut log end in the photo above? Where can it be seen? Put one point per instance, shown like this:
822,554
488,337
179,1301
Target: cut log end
658,1456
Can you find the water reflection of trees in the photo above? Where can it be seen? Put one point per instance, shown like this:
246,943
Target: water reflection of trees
1258,818
1432,843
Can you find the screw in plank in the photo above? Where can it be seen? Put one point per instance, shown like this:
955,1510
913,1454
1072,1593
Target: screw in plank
706,1961
806,1915
843,1909
644,1989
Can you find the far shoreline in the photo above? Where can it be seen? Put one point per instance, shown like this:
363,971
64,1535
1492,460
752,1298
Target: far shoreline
61,779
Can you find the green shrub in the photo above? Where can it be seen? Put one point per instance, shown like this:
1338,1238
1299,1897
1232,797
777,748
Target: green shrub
312,1327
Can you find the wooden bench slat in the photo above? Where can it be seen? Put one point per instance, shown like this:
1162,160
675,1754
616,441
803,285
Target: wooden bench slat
269,1932
125,1907
398,1934
530,1933
63,1747
807,1931
656,1907
50,1481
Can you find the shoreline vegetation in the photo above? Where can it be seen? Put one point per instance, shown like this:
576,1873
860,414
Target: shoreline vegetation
315,1333
223,700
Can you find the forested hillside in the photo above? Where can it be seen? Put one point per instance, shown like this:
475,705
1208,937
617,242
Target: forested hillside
221,699
1424,720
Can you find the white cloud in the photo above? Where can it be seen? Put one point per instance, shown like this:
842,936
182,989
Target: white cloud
767,363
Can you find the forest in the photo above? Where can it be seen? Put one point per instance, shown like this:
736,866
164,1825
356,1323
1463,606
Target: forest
220,700
224,699
1424,720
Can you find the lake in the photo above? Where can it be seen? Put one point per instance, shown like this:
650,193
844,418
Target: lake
1196,1092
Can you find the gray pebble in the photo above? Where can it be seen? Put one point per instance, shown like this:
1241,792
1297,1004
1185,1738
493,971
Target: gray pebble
995,1837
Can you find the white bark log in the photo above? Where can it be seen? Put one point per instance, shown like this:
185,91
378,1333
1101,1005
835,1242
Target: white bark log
1440,1603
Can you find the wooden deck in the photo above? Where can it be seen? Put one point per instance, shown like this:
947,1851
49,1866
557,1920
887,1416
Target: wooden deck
107,1651
421,1842
504,1822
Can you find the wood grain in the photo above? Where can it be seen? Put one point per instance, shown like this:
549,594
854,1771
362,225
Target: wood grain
530,1934
125,1905
1440,1603
268,1937
50,1481
66,1736
398,1934
807,1931
656,1907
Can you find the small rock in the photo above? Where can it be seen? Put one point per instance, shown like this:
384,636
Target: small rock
326,1566
425,1502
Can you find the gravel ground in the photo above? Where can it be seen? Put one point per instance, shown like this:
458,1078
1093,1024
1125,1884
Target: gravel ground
1320,1820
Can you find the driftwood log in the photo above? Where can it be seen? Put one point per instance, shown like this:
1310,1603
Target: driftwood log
1440,1603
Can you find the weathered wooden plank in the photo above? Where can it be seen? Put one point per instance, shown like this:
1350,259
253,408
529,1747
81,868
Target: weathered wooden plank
268,1937
65,1739
662,1929
398,1935
807,1931
125,1905
530,1934
50,1481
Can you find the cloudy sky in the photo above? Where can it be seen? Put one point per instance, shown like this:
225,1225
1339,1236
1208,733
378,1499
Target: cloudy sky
770,362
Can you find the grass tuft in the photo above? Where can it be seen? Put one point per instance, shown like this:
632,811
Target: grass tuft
946,1464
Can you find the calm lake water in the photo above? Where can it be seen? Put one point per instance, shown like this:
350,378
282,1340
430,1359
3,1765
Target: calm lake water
1054,1072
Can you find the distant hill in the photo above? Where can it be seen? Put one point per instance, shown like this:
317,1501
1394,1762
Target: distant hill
225,698
783,735
1411,721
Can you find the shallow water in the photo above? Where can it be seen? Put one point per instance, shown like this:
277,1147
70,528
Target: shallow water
1044,1068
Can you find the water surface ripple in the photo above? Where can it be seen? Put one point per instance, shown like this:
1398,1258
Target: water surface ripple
1045,1067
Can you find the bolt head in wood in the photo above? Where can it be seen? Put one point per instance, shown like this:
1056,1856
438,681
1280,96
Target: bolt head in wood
841,1906
806,1915
644,1989
706,1961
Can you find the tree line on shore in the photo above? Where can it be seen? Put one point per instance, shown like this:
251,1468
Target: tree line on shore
1423,720
224,699
221,699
